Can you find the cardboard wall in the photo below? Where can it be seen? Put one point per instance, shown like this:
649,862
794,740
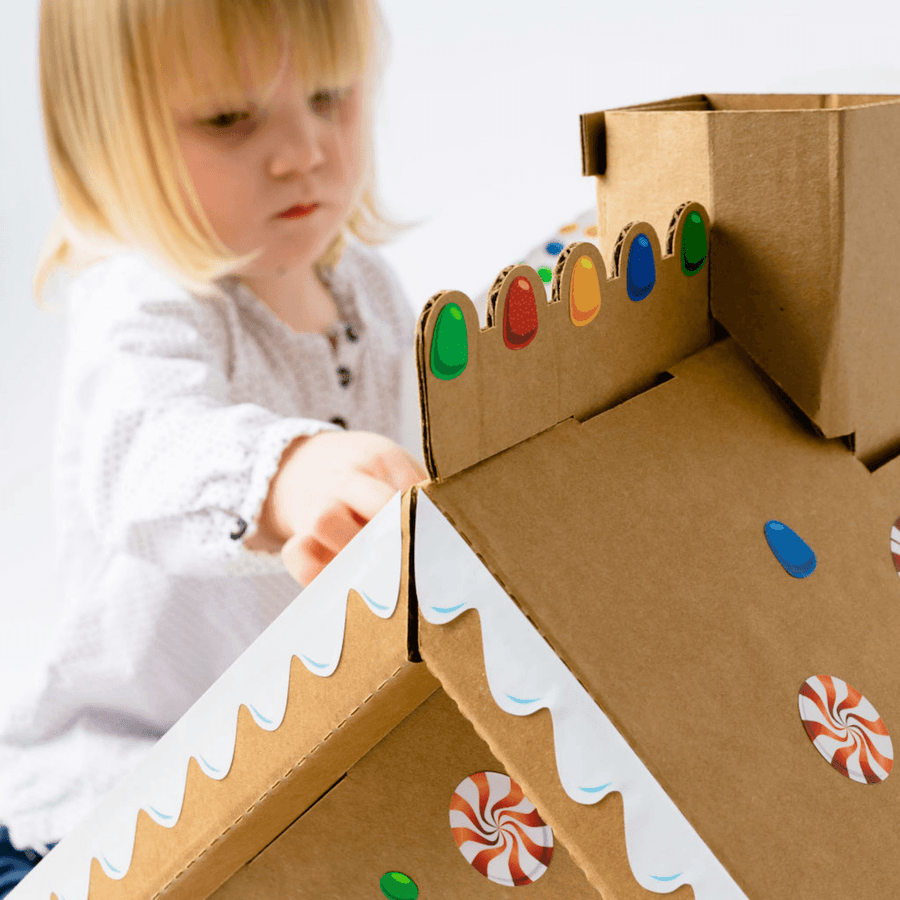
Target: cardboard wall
391,813
573,361
802,191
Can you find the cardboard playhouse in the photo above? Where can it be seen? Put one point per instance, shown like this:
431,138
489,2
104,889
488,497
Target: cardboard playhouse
638,633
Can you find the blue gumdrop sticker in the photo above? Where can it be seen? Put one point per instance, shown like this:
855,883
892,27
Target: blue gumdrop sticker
790,549
641,273
554,248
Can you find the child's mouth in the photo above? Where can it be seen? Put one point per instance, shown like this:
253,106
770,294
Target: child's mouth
296,212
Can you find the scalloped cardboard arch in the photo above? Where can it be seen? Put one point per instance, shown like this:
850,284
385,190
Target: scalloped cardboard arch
564,370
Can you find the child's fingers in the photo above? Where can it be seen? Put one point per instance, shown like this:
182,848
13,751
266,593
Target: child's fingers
397,469
304,558
365,495
335,529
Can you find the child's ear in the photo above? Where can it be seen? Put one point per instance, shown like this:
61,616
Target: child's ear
597,341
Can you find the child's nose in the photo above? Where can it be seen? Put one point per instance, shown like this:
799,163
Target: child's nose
298,144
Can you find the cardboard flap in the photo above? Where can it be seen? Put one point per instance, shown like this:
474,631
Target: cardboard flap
636,544
600,339
803,190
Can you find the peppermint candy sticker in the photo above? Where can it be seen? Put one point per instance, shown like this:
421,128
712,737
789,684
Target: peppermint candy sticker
846,729
499,831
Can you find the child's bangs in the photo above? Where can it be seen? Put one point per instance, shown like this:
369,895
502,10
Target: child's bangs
222,51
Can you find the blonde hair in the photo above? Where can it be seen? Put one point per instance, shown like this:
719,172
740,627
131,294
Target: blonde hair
104,70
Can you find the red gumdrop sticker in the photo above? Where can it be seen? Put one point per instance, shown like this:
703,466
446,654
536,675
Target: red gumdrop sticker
520,318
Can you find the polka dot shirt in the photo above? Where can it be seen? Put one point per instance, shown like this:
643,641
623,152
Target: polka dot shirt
174,414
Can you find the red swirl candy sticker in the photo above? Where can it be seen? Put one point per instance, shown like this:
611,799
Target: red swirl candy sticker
846,729
498,830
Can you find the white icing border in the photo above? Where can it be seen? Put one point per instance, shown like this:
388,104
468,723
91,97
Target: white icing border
592,757
310,628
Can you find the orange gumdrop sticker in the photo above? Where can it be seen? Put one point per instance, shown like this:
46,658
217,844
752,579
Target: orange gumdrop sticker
520,316
584,292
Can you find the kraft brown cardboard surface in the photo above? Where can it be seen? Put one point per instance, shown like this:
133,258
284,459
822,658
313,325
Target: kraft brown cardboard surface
575,355
802,190
391,813
663,598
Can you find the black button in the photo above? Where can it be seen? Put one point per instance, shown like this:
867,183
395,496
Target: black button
344,374
238,533
352,336
337,420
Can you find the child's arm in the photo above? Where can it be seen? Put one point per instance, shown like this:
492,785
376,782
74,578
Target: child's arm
171,455
326,489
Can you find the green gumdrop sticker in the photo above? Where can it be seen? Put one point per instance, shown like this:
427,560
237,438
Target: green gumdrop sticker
449,344
397,886
694,247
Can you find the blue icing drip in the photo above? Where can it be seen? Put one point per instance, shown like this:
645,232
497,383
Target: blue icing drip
208,766
554,248
666,877
790,549
371,602
110,866
156,812
448,609
317,665
259,715
596,790
641,272
517,700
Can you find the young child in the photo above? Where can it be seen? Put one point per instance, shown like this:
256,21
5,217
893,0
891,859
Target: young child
230,406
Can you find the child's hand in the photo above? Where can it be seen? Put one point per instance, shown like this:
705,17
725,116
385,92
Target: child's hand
327,488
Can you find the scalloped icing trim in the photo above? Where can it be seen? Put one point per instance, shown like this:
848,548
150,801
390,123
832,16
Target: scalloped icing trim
592,757
310,628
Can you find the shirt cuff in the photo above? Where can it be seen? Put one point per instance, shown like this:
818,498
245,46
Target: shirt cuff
275,440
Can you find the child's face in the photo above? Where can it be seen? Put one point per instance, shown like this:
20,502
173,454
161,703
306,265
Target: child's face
250,162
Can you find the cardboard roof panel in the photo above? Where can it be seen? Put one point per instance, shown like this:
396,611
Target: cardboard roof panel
269,737
665,601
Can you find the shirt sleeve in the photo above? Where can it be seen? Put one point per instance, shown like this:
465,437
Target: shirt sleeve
169,466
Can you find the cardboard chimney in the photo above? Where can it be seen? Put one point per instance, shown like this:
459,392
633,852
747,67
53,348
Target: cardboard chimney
637,634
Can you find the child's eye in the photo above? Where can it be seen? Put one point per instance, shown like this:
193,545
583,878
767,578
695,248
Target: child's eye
225,121
325,102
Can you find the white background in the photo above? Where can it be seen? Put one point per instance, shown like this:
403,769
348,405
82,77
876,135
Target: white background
478,137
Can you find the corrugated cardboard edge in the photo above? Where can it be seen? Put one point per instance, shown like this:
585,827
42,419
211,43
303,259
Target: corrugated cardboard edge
276,776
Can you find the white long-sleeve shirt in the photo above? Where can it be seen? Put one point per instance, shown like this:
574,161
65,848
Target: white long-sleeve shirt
174,413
